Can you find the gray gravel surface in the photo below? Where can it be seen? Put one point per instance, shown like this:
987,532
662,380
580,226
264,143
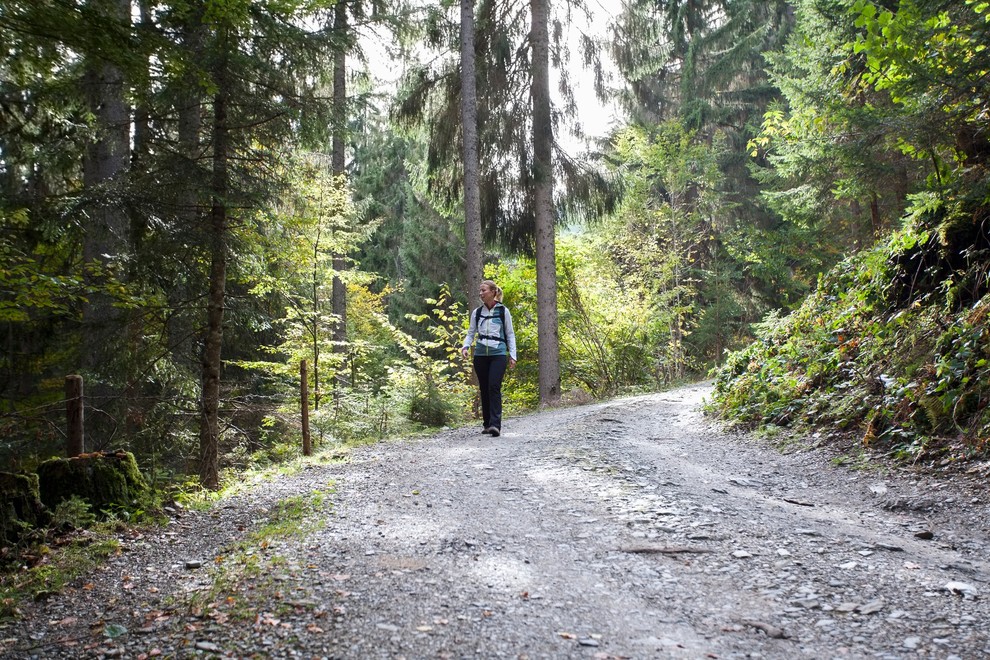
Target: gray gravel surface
628,529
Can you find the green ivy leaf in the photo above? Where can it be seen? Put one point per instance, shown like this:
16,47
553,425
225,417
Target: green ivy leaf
114,630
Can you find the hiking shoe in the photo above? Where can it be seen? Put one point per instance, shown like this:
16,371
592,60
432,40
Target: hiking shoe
494,431
488,430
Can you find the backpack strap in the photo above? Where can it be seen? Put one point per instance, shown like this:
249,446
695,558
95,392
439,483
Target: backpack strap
499,312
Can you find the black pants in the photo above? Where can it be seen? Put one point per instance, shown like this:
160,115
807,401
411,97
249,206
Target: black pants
491,370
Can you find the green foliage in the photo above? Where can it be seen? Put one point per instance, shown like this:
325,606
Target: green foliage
703,65
55,568
611,338
875,113
429,99
73,513
437,396
359,415
415,241
607,337
292,265
154,278
903,373
892,346
431,408
27,280
671,241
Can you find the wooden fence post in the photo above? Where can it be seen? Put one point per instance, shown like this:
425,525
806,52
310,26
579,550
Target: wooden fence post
304,397
74,414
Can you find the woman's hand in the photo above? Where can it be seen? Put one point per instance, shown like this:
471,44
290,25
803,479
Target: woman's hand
464,352
512,363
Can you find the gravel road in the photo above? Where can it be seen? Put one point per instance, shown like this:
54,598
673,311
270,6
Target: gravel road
628,529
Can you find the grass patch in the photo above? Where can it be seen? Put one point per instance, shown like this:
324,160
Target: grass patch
235,482
248,572
54,567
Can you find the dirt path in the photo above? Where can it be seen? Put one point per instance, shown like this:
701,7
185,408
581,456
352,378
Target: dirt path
630,529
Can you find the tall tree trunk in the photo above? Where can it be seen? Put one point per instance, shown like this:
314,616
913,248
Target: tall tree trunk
209,431
106,236
876,220
337,163
139,161
190,196
678,210
142,113
316,327
546,260
469,130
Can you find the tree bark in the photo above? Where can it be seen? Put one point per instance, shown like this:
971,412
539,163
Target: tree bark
75,415
209,433
546,260
338,163
469,130
307,448
315,330
142,115
191,190
106,232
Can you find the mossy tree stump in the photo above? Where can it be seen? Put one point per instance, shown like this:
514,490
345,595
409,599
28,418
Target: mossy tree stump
20,506
107,480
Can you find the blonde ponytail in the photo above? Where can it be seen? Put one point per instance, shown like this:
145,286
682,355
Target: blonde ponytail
498,290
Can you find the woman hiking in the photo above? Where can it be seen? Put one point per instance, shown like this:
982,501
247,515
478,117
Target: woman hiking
494,342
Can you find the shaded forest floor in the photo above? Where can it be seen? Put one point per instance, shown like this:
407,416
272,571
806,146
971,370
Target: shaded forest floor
629,529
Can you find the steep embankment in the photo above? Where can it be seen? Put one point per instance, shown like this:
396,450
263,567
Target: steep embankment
892,352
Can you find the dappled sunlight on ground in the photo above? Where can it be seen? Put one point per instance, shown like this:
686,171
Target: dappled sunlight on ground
512,575
575,481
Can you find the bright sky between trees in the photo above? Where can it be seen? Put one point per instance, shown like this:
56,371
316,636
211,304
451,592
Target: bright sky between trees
595,117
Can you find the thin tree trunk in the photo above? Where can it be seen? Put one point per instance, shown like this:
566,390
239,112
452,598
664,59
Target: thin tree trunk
209,433
677,320
104,163
546,261
316,319
304,405
139,161
189,196
106,158
339,290
875,219
142,114
469,130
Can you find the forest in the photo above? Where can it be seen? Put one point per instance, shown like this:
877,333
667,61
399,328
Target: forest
199,197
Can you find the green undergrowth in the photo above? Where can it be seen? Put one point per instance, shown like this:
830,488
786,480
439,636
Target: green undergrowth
52,561
73,558
75,542
891,351
252,575
234,482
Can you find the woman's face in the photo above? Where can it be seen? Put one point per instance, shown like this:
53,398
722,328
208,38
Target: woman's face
487,294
